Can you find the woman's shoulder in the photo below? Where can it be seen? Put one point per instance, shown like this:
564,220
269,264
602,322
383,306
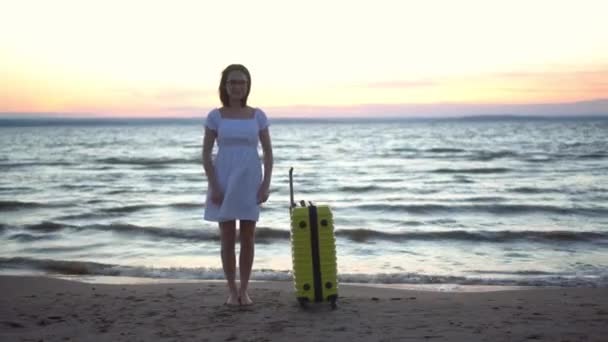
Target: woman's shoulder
213,118
258,111
260,116
214,113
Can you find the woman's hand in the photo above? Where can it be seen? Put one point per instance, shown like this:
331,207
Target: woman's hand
217,196
263,193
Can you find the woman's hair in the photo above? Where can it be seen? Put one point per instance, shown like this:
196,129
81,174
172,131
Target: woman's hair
224,97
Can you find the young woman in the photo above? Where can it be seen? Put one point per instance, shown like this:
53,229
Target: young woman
236,184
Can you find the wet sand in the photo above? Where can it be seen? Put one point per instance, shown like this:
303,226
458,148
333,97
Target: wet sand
49,309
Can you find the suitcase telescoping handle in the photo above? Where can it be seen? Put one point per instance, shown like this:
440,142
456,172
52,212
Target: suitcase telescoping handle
292,204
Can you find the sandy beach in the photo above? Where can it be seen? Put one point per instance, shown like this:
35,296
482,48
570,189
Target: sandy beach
48,309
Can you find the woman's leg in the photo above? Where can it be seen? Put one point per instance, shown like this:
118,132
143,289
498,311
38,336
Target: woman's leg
247,237
228,239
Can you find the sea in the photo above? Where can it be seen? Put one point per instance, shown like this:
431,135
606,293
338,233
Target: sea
515,201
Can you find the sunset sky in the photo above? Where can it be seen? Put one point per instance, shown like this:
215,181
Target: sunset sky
307,58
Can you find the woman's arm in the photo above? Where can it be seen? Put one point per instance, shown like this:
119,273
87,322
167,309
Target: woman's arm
268,163
208,142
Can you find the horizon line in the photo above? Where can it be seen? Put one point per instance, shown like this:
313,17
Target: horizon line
595,107
75,119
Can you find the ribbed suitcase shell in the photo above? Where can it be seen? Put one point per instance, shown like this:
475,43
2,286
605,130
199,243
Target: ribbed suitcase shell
305,247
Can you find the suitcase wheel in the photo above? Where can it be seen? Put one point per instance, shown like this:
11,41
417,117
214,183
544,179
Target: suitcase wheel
332,299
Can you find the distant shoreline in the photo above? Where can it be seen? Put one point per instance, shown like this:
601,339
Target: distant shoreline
29,121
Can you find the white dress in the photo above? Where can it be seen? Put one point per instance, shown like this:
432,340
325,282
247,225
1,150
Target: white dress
238,167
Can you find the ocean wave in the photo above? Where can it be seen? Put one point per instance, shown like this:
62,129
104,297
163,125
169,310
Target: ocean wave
456,153
23,189
119,191
403,149
266,234
445,150
269,235
423,191
539,158
443,221
565,280
24,237
19,205
155,232
393,222
517,278
532,190
497,209
359,188
462,180
491,155
364,235
188,205
571,191
148,162
306,158
45,227
83,216
550,157
32,164
60,266
129,208
16,205
592,156
482,170
128,229
79,186
50,250
524,272
68,267
194,178
482,199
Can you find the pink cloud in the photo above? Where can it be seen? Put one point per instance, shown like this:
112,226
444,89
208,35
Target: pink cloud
402,84
598,73
594,107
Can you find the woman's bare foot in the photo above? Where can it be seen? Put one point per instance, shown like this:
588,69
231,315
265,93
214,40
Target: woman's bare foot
244,299
233,300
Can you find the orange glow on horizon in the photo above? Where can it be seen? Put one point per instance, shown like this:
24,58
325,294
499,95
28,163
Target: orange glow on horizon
138,58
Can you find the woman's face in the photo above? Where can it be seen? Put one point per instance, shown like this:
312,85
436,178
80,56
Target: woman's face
236,85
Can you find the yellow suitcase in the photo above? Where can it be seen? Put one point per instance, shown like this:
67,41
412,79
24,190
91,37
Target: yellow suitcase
313,247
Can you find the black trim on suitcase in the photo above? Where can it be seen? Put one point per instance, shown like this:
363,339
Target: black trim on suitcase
314,244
